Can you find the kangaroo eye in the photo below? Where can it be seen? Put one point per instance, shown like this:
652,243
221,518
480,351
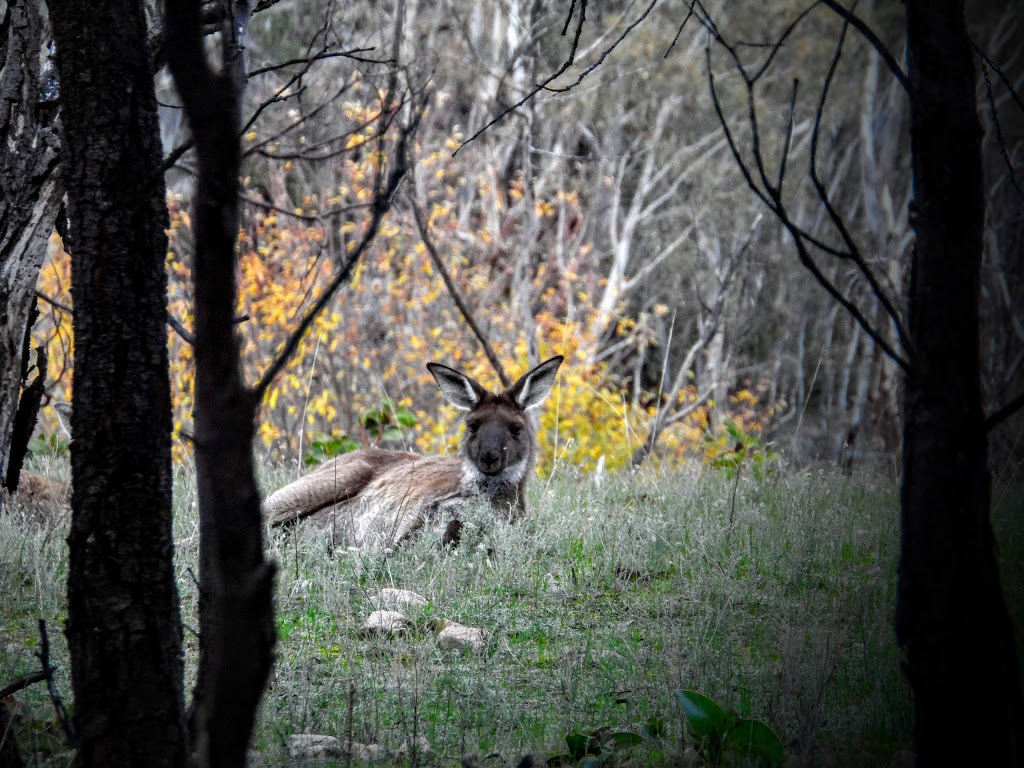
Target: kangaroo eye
473,428
515,430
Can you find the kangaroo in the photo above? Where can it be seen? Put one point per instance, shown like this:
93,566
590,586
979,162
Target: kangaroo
374,497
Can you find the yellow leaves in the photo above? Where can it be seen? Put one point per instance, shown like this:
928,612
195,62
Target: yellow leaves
269,433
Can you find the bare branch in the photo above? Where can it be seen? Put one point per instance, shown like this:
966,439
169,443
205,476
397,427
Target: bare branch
1004,413
606,52
43,654
772,198
53,303
319,56
23,682
868,34
1000,140
180,329
379,206
540,87
421,224
854,253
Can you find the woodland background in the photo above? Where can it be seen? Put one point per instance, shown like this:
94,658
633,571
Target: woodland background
707,208
605,220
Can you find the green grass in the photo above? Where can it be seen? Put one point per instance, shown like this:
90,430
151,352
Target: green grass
600,606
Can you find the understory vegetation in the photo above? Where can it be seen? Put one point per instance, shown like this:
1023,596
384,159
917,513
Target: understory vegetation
618,591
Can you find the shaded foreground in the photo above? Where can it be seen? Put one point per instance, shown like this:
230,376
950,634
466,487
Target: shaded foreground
598,608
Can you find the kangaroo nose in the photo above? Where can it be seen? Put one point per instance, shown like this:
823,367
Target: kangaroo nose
490,461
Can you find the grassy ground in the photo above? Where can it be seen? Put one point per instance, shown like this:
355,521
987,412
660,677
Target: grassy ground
601,605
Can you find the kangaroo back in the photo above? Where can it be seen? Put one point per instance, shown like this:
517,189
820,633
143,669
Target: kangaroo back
333,482
374,495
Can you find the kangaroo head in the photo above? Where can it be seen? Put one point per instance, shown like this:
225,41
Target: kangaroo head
499,442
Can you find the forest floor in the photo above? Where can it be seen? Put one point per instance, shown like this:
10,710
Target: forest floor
610,598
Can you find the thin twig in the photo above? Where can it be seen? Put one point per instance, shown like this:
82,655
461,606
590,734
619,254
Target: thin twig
1000,139
1004,413
22,682
570,59
318,56
379,206
868,34
854,253
54,303
43,654
180,329
421,224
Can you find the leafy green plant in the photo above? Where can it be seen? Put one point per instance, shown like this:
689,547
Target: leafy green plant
721,733
737,448
327,448
385,422
588,750
48,445
388,421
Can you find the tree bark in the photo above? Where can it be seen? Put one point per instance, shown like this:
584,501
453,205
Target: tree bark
30,194
123,628
951,618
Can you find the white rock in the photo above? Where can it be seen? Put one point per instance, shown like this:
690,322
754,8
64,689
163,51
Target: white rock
399,598
460,637
423,748
368,753
387,622
311,746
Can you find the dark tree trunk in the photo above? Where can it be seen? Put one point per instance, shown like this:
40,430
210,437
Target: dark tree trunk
123,628
951,617
236,612
30,194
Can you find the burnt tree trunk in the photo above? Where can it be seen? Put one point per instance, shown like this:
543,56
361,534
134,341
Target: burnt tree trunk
30,194
123,628
951,618
236,613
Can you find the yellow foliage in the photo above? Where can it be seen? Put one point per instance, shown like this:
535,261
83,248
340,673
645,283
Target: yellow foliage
395,315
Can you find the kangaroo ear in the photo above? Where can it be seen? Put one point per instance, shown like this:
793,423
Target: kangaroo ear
457,388
534,387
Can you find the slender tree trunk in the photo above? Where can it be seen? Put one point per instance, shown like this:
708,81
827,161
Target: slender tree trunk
30,194
951,618
123,628
236,612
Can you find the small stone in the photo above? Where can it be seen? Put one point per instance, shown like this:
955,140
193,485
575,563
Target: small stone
400,598
386,622
311,746
423,748
368,753
459,637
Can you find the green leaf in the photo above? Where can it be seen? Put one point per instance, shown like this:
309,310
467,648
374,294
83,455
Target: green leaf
392,433
580,745
590,761
577,743
406,418
624,739
704,716
733,430
655,728
756,740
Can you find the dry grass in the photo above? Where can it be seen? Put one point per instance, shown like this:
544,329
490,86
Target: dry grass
599,607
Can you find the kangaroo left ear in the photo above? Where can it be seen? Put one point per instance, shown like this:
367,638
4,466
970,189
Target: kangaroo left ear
534,387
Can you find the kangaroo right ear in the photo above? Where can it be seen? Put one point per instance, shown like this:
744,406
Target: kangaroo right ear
457,388
534,387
